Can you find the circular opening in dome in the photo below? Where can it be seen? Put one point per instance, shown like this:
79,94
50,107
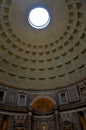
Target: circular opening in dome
39,18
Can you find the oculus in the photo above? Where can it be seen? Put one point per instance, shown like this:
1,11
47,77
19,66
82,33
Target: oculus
39,18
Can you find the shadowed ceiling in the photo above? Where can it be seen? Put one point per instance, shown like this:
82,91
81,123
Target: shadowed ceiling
49,58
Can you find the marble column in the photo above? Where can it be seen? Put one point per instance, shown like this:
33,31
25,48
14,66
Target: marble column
29,120
38,125
5,122
82,121
76,122
56,119
10,123
49,124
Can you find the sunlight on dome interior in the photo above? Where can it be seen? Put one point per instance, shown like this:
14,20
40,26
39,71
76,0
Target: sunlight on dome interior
39,18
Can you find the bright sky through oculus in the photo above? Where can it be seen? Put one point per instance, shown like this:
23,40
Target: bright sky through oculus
39,18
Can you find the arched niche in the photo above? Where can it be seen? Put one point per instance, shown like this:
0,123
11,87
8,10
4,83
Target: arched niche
43,105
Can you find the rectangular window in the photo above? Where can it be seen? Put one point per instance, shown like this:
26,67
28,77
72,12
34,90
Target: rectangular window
63,98
22,100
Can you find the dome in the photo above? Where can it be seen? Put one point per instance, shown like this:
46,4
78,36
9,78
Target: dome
42,59
43,65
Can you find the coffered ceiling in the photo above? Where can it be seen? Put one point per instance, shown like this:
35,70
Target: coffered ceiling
48,58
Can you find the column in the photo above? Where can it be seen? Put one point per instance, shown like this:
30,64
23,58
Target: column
49,124
56,119
5,122
82,121
10,123
76,122
29,120
38,125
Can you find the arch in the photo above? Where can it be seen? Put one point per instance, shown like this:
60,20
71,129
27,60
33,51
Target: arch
48,97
